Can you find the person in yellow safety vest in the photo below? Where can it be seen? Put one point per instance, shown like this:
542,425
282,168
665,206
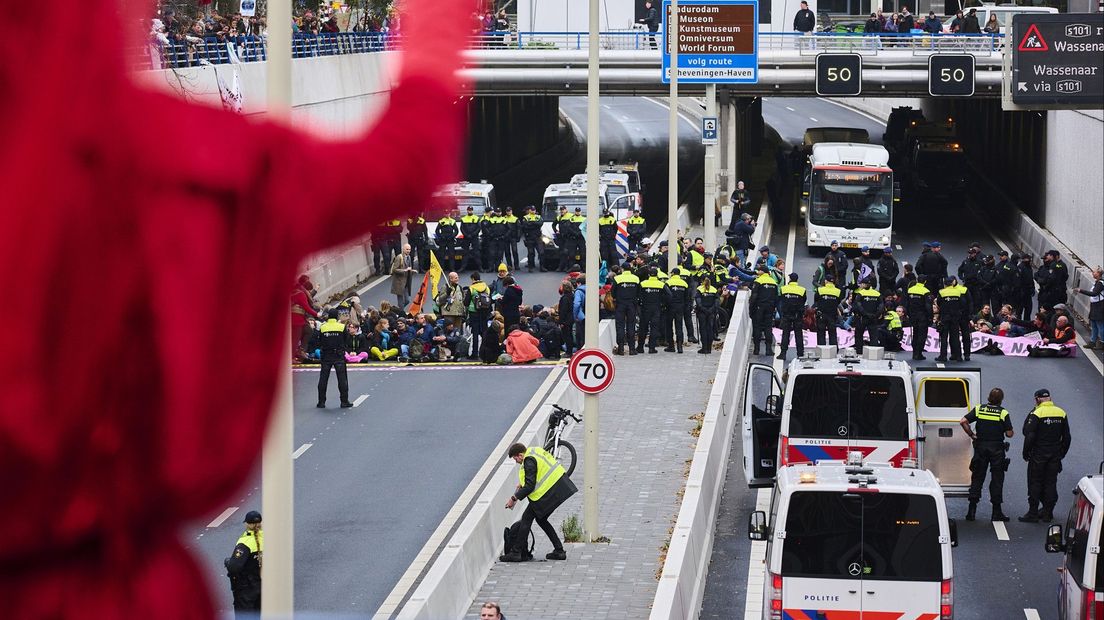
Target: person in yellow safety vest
680,302
792,311
826,301
992,425
761,307
513,235
543,481
607,238
393,232
918,305
866,313
636,228
243,567
489,240
952,307
470,229
1046,440
964,324
893,331
653,297
446,241
530,226
334,343
707,304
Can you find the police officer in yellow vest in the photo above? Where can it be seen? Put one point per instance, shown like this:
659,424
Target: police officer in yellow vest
680,304
446,241
513,235
952,307
334,342
1046,440
992,425
607,238
826,301
393,231
470,228
918,306
792,311
543,482
892,330
636,228
243,567
867,313
530,226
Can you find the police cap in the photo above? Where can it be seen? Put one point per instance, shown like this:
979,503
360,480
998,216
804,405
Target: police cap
707,255
1002,253
334,313
1042,393
793,277
252,517
663,243
949,280
888,250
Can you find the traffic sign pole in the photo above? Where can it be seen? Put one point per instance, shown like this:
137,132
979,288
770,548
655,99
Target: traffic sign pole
590,401
710,203
672,142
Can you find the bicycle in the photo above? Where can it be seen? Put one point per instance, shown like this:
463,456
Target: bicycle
560,449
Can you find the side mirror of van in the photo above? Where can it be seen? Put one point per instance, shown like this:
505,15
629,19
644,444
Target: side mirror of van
757,525
1054,540
952,528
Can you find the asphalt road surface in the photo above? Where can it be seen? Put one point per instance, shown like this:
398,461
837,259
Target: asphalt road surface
993,578
377,479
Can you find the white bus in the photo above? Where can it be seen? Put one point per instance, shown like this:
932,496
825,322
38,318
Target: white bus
856,540
848,196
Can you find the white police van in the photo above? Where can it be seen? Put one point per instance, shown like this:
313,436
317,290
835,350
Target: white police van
836,404
855,540
1081,593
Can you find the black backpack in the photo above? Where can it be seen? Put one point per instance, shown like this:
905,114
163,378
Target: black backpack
510,542
482,301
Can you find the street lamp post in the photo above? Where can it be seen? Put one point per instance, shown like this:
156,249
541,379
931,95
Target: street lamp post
672,142
590,401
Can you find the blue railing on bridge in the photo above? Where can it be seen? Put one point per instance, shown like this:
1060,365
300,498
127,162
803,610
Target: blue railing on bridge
190,51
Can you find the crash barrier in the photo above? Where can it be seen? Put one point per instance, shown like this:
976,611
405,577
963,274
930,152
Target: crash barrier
682,223
682,583
455,577
1029,236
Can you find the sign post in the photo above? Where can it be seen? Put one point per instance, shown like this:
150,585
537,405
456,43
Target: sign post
1057,62
590,308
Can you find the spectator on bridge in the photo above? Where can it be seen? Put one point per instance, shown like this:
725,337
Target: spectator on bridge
970,24
907,22
805,20
932,25
957,22
651,20
992,26
1096,309
873,25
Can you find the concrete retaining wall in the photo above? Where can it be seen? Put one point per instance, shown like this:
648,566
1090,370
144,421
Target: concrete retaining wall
456,575
1075,182
682,584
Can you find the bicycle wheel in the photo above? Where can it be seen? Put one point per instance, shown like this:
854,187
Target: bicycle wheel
565,454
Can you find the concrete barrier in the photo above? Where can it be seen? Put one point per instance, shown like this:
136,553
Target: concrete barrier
455,577
682,222
682,583
1029,236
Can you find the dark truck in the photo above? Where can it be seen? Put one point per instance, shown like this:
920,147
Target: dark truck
934,164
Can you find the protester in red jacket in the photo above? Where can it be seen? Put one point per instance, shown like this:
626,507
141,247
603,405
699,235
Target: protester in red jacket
522,346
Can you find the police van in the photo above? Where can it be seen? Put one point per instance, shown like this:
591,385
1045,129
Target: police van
454,199
834,404
1081,591
848,539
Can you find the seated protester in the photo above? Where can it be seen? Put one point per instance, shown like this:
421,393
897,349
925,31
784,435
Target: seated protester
490,346
446,338
1059,311
892,332
985,315
1055,341
357,343
522,346
404,333
1038,324
545,328
844,320
808,321
1015,326
382,342
421,346
389,312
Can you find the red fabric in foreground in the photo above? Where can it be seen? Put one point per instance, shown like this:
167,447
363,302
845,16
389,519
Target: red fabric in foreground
149,246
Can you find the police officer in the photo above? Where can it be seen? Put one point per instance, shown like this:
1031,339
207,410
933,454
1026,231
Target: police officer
607,238
653,295
761,305
1046,440
469,227
986,292
1052,277
792,311
867,314
931,266
1004,288
243,567
969,269
543,482
379,249
571,235
679,303
918,306
827,300
707,300
992,425
496,231
579,220
636,228
530,226
626,298
888,270
1025,288
965,325
417,235
393,232
952,307
513,235
333,347
446,240
488,242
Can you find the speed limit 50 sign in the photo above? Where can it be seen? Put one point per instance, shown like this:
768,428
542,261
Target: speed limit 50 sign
951,75
591,370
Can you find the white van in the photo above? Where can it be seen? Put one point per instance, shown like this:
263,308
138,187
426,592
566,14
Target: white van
836,404
850,540
1081,593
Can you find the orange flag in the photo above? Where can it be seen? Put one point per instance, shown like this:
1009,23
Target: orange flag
419,299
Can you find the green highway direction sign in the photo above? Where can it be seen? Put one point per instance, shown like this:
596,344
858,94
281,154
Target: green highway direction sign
1057,60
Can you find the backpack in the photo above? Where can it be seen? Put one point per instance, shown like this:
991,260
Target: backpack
509,540
482,300
463,346
416,350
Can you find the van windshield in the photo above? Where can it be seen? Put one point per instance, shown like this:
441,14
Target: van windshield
849,407
888,536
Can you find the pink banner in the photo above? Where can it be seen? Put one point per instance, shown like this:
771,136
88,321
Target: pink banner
1009,346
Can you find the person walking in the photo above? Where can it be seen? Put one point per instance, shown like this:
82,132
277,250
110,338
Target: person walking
543,482
1046,441
334,345
243,567
651,20
401,268
992,425
792,311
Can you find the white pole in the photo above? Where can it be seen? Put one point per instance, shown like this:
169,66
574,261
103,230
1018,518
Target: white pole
590,401
730,144
672,147
277,473
710,203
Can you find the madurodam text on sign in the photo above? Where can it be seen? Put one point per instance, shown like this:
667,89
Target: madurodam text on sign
715,29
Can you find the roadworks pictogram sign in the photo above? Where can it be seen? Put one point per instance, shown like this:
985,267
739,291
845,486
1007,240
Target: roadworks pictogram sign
1033,41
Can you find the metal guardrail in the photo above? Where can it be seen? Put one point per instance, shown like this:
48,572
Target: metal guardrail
193,51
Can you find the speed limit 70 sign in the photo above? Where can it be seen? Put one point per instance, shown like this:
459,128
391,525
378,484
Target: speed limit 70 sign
591,370
951,75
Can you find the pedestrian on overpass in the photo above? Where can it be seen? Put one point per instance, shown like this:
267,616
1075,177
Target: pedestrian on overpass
651,20
805,20
543,482
334,344
243,567
992,425
1046,441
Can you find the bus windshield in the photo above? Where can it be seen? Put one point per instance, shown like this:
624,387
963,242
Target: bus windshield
849,407
852,199
890,536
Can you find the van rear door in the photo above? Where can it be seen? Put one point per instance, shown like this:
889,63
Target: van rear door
761,424
943,397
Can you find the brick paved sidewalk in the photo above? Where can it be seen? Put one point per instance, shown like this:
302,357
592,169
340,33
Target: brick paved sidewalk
646,440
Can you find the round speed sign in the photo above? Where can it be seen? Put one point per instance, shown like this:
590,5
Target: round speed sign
591,370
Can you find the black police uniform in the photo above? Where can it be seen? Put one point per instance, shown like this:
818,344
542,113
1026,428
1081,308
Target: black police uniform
530,225
918,305
607,239
513,235
379,249
446,242
243,567
1024,290
991,422
708,303
626,297
571,236
968,272
952,307
792,311
1046,441
497,231
679,304
888,270
470,228
636,228
987,287
1052,279
761,306
867,316
653,294
393,231
333,343
1004,289
827,300
417,235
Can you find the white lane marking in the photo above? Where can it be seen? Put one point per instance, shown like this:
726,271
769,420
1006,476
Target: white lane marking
223,517
1031,613
940,365
299,452
607,106
790,109
1090,356
813,119
875,119
360,399
898,246
664,105
1002,531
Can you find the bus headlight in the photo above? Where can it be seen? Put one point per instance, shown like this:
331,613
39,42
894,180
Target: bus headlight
803,210
813,236
884,240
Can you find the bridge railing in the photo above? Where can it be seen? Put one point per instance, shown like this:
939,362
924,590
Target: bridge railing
194,51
